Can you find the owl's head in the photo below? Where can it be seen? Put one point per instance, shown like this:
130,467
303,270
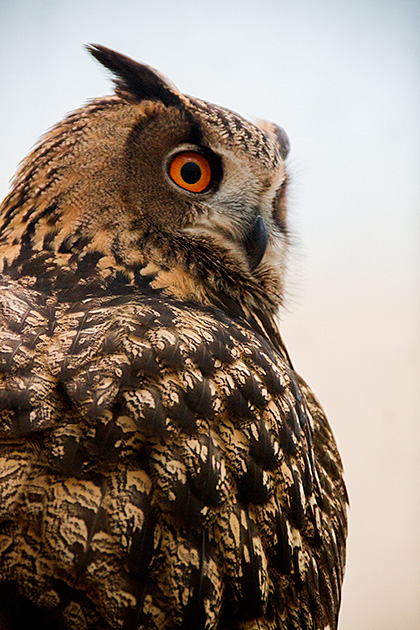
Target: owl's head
151,183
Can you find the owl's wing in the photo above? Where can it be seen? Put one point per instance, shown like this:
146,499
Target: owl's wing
161,466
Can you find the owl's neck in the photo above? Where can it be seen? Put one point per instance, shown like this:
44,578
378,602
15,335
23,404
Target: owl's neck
218,279
186,273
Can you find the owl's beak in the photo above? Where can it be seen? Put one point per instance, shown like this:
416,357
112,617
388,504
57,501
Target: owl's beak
255,242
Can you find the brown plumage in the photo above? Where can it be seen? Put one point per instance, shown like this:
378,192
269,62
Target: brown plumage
161,464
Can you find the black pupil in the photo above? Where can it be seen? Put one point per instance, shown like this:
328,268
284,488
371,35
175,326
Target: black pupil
191,172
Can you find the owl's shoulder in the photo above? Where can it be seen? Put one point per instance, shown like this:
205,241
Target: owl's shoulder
133,338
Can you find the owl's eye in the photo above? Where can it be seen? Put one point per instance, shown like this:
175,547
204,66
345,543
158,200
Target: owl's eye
191,171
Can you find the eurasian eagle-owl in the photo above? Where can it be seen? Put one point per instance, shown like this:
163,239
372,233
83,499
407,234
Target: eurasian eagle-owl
162,465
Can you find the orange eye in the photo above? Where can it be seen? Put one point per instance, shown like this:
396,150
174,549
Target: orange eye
191,171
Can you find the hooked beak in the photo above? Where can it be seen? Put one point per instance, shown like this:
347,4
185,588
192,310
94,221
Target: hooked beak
255,242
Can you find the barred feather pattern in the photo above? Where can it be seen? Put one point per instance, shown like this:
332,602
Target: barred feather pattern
162,467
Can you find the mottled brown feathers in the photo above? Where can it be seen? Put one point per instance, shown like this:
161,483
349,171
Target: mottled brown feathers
162,466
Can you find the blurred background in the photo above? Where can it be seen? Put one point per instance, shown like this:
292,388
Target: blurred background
343,79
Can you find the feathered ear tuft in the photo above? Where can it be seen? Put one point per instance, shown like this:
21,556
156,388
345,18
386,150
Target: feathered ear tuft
278,134
143,82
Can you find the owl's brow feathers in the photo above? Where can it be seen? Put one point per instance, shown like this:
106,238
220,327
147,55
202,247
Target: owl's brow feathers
143,82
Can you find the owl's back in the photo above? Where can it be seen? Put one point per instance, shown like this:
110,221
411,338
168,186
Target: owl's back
162,467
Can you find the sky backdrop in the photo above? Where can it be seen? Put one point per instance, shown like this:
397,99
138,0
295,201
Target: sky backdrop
343,79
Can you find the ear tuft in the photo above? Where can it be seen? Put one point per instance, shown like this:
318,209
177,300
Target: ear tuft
278,134
143,82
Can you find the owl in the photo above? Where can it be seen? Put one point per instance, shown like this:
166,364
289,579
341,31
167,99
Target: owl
162,465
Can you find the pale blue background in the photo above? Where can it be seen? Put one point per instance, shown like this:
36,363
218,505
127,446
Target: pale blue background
343,79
